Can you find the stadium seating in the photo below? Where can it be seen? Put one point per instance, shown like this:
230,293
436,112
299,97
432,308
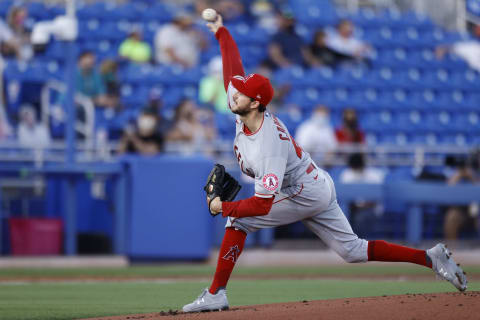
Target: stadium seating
405,90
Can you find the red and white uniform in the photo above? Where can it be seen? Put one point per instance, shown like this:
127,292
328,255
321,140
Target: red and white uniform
289,187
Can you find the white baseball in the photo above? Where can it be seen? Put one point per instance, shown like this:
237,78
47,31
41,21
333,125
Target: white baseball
209,15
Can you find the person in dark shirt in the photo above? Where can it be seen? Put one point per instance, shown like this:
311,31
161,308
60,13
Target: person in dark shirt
145,138
459,219
88,79
286,48
318,54
350,132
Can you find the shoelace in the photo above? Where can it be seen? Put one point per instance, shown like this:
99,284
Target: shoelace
202,294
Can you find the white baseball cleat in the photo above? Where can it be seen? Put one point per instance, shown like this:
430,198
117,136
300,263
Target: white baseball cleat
446,268
208,302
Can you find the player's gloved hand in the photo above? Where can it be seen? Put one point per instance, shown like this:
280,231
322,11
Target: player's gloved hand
220,185
214,26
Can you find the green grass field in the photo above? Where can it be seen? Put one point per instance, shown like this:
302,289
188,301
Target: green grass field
70,300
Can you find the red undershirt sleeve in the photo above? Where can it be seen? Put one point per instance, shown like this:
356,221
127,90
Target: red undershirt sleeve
231,60
250,207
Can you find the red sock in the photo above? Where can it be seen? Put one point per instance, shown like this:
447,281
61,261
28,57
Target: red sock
380,250
232,246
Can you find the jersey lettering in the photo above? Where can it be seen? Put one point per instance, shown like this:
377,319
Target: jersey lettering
284,136
247,171
298,149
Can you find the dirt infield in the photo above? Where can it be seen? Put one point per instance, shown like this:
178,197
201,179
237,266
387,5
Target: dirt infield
437,306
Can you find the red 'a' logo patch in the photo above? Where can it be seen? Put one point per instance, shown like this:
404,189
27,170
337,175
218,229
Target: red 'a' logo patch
232,254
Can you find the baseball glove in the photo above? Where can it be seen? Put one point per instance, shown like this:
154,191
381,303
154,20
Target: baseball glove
221,184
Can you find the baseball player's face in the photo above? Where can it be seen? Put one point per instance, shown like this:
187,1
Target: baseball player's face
242,104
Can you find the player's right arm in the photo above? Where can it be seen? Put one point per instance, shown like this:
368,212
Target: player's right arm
231,60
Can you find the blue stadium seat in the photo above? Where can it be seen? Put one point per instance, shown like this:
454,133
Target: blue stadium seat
467,122
377,121
457,139
363,99
252,54
224,123
395,100
466,80
473,7
424,100
97,10
127,11
157,12
410,122
314,13
392,57
5,7
38,10
134,96
292,75
306,99
411,79
438,121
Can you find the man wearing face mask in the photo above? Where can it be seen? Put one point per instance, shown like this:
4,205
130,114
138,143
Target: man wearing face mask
350,132
316,134
145,139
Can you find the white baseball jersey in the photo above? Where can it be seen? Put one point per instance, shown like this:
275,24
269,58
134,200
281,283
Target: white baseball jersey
302,191
270,155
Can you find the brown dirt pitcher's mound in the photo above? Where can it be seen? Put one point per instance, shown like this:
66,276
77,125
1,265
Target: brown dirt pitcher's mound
435,306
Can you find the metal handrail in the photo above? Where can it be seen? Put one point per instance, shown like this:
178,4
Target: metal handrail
87,128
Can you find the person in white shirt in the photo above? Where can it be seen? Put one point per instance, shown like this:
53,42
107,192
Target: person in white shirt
316,135
343,41
468,49
178,42
30,133
358,172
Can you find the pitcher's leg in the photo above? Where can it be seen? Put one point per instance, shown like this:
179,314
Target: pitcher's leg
333,228
230,250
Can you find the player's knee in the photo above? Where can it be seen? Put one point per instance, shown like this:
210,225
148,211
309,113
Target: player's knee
354,251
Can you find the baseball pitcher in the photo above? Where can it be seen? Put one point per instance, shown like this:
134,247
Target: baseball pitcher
289,187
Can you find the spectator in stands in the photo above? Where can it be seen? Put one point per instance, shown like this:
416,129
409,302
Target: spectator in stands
144,138
456,170
89,82
461,218
155,105
14,37
178,42
192,129
211,88
319,54
363,213
108,72
343,42
134,49
30,132
350,132
316,135
286,47
264,13
469,49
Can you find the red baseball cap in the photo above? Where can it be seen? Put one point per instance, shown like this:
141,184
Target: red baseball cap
254,86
